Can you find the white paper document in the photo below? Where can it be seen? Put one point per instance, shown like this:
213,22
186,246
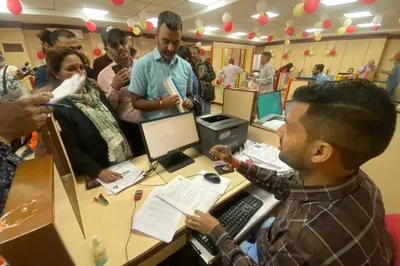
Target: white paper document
187,196
274,124
157,218
131,175
220,188
173,89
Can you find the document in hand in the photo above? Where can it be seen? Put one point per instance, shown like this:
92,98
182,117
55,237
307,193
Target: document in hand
187,196
157,218
131,175
172,89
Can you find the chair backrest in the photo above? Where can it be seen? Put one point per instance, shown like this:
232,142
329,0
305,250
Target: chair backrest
393,226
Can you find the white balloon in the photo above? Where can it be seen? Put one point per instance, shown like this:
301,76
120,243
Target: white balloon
198,22
198,44
311,48
347,22
143,15
100,46
262,6
377,19
289,23
271,51
331,47
317,33
130,22
226,17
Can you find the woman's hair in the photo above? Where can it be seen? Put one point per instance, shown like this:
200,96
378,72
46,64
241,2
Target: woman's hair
54,58
184,52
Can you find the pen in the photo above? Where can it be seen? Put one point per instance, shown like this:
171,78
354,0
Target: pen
56,104
177,88
124,173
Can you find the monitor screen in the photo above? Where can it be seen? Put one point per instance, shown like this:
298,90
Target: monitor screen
288,107
269,104
169,134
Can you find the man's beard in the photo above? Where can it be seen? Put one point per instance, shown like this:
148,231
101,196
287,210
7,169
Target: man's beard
2,63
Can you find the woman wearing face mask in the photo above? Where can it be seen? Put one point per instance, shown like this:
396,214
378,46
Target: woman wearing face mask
90,129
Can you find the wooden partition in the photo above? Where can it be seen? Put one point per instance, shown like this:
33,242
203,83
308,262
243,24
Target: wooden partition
240,103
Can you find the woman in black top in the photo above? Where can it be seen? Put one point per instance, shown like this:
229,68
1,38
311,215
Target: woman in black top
90,129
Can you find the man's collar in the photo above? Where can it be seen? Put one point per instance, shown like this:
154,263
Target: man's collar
158,56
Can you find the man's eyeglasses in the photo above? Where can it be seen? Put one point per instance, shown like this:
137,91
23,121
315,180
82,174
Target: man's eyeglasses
115,44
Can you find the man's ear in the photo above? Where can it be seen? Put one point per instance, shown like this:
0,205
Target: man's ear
321,151
156,35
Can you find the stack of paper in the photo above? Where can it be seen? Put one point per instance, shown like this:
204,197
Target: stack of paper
131,175
157,218
274,124
219,188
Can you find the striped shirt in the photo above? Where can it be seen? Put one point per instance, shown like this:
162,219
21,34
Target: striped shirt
328,225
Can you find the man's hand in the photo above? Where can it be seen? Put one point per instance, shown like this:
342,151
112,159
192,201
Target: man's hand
223,153
120,79
109,176
202,222
21,117
187,103
171,101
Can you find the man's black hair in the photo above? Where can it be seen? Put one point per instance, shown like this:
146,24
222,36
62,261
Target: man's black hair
267,54
195,47
356,117
61,33
44,36
320,67
170,19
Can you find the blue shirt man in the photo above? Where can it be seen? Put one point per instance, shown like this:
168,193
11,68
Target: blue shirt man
394,77
148,93
317,73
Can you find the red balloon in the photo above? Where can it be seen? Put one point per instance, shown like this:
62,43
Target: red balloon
14,6
310,6
40,55
90,26
202,52
263,19
307,52
97,52
350,29
376,28
327,24
290,31
368,2
285,56
397,56
198,35
332,52
270,38
149,25
117,2
252,35
314,37
130,29
228,26
305,34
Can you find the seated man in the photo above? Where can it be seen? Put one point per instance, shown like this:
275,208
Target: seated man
318,73
332,212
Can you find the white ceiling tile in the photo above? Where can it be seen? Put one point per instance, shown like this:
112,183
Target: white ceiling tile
47,4
133,5
155,8
169,3
120,12
193,6
180,12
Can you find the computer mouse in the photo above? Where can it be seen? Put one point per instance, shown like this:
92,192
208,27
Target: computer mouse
213,178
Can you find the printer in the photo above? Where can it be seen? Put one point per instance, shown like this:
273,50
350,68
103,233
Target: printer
221,129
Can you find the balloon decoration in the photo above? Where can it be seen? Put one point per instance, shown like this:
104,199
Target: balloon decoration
327,24
130,22
143,15
341,31
272,53
332,52
263,18
149,25
40,55
289,23
252,35
198,35
198,44
202,52
311,53
258,34
198,22
91,26
317,38
290,31
143,24
262,6
376,28
368,2
351,29
270,38
136,30
377,19
307,52
14,6
287,41
305,34
201,30
103,52
226,17
96,51
228,26
347,22
131,29
298,10
319,24
310,6
317,33
117,2
285,56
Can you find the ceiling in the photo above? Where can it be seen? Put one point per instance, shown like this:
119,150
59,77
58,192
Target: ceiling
69,12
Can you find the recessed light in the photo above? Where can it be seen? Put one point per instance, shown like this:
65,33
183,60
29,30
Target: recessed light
270,15
367,25
313,30
238,34
97,12
263,37
361,14
337,2
204,2
210,28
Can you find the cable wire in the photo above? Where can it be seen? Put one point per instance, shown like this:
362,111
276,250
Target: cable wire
130,233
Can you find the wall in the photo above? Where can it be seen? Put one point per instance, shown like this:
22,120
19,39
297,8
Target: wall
217,54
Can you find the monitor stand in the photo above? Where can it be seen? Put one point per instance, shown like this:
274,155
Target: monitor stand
176,161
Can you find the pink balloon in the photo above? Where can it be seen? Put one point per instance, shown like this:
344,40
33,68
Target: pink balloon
202,52
332,52
285,56
252,35
307,52
376,28
14,6
290,31
149,25
90,26
310,6
198,35
263,19
368,2
351,29
270,38
305,34
327,24
228,26
117,2
40,55
96,51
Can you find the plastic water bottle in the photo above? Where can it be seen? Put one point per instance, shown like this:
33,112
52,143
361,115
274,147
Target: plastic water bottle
99,251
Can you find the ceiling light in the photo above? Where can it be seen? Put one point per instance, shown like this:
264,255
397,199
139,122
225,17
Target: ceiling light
204,2
313,30
238,34
367,25
97,12
361,14
270,15
337,2
209,28
153,21
264,37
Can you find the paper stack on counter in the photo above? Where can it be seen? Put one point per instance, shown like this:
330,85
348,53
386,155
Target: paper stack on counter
173,89
220,188
131,175
157,218
274,124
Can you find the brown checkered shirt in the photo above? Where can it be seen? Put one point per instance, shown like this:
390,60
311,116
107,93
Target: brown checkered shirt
325,225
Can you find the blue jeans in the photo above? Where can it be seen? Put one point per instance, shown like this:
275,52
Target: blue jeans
251,248
391,91
206,107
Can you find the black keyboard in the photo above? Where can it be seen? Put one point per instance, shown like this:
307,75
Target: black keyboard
233,219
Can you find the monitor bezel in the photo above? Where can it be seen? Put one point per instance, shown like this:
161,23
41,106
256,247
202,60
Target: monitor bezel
180,149
270,92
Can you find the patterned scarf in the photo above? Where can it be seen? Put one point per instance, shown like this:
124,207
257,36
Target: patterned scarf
89,103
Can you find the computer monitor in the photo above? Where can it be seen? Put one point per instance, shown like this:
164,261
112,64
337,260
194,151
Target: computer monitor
288,107
165,139
269,103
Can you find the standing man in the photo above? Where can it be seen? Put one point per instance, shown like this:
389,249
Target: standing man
229,73
363,70
115,85
318,74
267,74
45,43
63,39
10,77
206,75
148,93
394,77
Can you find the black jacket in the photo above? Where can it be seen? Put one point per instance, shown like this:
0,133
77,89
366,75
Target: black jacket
85,147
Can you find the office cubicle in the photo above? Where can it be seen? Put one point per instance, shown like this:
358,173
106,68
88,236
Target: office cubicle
240,103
